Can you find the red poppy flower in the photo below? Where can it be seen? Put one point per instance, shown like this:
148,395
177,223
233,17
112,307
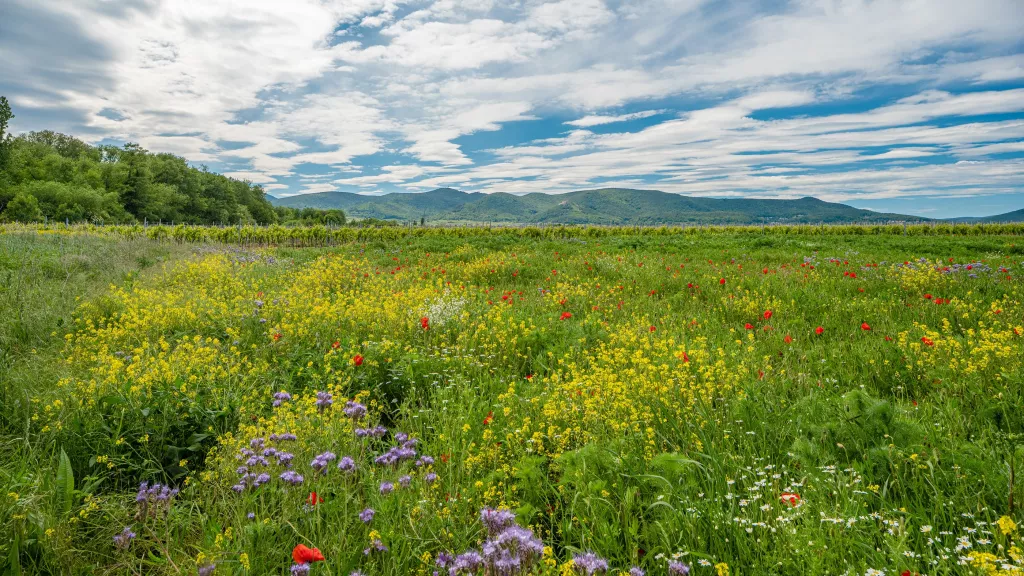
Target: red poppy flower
790,498
765,271
303,554
767,314
529,377
927,341
651,329
336,344
445,458
314,499
722,281
357,359
865,326
788,339
686,358
489,418
565,316
748,326
927,296
425,323
819,330
277,336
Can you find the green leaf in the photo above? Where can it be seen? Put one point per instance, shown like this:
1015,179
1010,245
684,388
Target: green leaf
112,400
65,488
13,562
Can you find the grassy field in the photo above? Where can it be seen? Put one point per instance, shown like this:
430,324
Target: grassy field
721,404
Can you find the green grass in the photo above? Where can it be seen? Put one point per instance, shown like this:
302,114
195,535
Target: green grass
605,389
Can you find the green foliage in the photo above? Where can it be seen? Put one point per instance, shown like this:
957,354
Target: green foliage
23,208
72,181
64,490
5,138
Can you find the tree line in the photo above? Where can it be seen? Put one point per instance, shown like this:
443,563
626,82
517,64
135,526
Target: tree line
48,176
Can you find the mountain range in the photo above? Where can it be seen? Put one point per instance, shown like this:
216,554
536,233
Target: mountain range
607,206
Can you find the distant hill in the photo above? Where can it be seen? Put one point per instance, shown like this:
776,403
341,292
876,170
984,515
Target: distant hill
1009,217
612,206
1015,216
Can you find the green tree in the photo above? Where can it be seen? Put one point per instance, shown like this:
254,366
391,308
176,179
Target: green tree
135,194
5,137
23,208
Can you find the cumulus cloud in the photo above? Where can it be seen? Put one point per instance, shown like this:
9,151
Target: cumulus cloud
837,99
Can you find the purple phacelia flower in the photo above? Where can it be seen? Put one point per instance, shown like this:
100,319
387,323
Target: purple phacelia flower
152,499
292,477
321,461
366,515
375,546
300,569
467,562
355,410
324,400
386,488
496,520
677,568
430,478
346,464
444,559
124,539
589,564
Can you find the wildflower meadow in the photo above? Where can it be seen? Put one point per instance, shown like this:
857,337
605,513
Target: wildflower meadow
620,402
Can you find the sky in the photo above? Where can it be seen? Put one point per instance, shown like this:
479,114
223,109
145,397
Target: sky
912,106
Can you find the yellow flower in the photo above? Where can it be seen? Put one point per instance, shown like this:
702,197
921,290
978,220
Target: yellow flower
243,559
721,569
1006,525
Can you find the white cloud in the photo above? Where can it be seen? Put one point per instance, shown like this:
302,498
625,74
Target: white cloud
598,119
265,86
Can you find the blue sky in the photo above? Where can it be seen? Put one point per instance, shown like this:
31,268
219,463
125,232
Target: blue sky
915,107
